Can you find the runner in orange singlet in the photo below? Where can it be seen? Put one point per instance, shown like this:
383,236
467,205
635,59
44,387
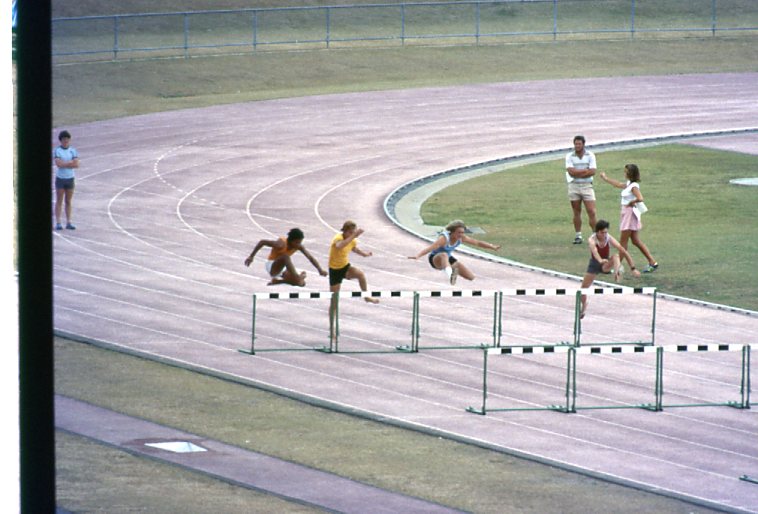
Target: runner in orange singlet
279,264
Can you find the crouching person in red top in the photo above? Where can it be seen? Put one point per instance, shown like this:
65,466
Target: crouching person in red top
601,260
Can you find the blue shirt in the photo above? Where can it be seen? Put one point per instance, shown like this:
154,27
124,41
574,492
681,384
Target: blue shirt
447,248
65,154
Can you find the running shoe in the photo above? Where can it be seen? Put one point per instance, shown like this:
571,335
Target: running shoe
578,240
650,268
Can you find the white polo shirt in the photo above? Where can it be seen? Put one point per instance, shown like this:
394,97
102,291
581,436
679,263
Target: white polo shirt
585,162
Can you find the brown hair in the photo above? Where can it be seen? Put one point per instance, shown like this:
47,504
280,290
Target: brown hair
454,225
348,225
633,172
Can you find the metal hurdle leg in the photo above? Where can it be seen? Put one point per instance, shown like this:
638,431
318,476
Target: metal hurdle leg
497,322
745,380
570,385
578,319
483,410
415,330
252,331
652,328
658,379
334,323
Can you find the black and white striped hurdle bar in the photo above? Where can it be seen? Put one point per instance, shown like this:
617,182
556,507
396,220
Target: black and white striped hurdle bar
595,350
455,293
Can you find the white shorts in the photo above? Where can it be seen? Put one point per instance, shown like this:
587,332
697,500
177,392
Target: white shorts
269,265
581,191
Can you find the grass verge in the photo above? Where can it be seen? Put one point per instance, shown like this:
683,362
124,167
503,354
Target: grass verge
105,90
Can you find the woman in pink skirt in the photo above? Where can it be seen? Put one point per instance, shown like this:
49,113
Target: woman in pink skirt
631,214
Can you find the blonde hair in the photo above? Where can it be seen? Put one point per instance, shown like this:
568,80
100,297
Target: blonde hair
348,225
455,224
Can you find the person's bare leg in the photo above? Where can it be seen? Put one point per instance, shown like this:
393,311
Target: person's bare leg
636,241
624,239
357,274
59,194
591,208
69,196
576,208
464,271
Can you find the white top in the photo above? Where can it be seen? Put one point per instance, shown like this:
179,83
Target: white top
585,162
627,195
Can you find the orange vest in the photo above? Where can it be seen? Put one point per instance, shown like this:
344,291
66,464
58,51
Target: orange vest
278,252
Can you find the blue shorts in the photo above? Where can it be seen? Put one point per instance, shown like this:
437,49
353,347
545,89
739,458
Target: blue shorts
452,260
594,267
64,183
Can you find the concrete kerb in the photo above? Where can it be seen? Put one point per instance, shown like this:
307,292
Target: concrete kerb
403,205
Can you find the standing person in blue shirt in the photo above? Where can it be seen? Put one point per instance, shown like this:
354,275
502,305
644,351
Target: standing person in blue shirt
441,251
66,161
580,168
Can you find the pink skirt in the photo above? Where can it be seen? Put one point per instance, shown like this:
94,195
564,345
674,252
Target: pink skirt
629,221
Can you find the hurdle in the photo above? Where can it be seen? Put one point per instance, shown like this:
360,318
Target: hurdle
415,330
657,405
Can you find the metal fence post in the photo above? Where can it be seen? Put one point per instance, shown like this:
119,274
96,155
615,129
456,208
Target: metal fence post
186,35
255,30
115,37
402,24
328,25
631,23
713,17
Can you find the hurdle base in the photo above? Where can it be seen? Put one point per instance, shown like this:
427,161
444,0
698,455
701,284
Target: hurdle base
248,352
746,478
473,410
406,348
323,349
561,408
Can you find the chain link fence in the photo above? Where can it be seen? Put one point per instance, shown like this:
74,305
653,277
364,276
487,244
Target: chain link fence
433,23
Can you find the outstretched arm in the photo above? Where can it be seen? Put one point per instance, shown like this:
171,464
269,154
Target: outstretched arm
263,242
481,244
313,261
614,183
437,244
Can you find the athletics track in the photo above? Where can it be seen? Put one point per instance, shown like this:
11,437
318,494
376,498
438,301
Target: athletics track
169,204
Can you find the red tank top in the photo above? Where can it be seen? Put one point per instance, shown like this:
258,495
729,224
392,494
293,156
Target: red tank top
604,251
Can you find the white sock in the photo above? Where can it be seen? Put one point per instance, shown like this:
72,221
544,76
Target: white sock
448,271
578,234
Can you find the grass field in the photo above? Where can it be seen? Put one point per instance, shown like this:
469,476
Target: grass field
700,229
95,478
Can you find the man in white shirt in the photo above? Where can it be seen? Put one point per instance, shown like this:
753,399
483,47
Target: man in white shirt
580,168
